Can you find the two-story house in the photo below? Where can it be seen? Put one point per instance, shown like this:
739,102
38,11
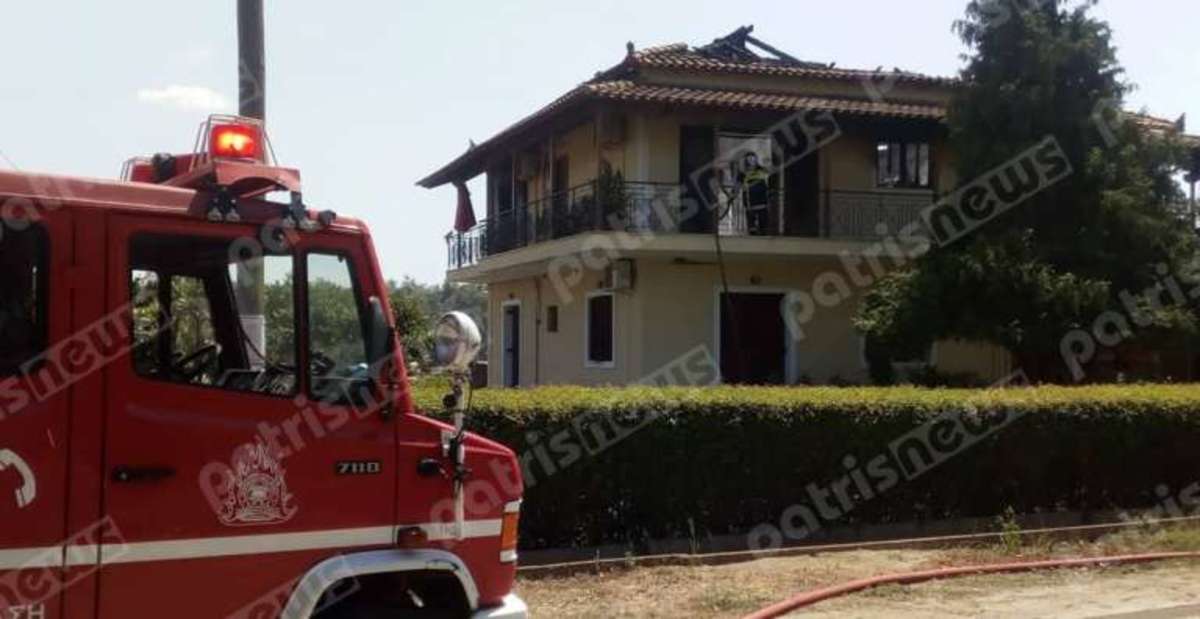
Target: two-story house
727,198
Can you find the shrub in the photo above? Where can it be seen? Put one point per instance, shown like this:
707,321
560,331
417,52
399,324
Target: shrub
623,465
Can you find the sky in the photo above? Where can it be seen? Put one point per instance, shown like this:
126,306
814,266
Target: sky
366,98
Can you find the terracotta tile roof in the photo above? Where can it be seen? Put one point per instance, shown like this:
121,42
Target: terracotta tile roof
729,55
1162,126
632,92
477,155
629,91
681,57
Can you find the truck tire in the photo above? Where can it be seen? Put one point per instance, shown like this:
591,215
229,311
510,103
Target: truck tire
377,611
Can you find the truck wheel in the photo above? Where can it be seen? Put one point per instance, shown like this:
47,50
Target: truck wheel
376,611
397,596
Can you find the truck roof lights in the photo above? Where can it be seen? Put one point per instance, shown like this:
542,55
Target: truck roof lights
236,141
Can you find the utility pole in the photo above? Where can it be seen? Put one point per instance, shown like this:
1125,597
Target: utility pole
252,65
252,102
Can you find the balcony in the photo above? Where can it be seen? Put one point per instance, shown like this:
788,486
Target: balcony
656,208
871,215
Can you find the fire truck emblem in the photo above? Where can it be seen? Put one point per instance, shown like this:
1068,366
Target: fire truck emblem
257,491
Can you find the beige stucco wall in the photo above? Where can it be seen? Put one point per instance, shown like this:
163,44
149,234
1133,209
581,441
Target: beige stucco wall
681,311
650,151
559,358
673,309
579,145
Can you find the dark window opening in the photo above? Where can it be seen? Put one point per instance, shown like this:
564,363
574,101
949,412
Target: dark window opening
903,165
552,319
600,325
560,182
23,286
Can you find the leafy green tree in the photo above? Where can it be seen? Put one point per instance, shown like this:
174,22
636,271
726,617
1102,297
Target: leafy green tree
280,317
1058,260
414,320
417,307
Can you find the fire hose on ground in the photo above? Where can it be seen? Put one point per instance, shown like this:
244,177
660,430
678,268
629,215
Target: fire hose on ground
814,596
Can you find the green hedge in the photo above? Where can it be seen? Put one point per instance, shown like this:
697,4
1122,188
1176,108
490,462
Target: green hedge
722,460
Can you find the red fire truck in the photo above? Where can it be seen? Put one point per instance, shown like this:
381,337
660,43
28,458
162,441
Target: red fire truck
204,410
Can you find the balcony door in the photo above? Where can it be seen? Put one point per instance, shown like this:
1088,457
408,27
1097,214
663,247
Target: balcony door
801,197
697,150
565,222
510,345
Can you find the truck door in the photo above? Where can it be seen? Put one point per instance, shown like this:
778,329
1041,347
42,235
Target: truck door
39,361
236,457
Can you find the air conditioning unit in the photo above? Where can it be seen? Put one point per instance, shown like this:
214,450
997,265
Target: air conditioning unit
527,166
619,275
611,129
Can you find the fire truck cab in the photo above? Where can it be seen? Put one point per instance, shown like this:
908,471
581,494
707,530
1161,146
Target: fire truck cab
204,409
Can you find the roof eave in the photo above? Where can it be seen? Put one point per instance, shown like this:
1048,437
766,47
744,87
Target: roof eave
473,162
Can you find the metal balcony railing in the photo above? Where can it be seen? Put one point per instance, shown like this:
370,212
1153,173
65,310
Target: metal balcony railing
869,215
637,207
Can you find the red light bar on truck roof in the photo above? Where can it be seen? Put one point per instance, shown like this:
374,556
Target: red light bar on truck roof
221,138
232,161
236,141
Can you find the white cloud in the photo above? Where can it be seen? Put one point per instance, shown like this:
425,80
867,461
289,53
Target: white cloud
185,97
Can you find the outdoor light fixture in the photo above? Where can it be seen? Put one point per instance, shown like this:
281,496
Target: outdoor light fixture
456,342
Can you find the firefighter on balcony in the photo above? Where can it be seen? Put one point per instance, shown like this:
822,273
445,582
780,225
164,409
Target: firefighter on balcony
754,187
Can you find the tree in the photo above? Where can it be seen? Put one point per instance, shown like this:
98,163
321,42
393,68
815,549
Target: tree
414,320
417,306
1061,258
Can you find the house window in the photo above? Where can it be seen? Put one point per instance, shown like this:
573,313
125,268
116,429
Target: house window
601,327
552,319
902,165
22,297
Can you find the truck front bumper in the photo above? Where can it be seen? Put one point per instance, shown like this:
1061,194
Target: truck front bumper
511,608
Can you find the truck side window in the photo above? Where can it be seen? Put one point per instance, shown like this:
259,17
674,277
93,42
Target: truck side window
23,284
337,345
182,332
202,316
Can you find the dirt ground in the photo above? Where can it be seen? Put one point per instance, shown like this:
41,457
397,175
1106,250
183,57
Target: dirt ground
734,590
